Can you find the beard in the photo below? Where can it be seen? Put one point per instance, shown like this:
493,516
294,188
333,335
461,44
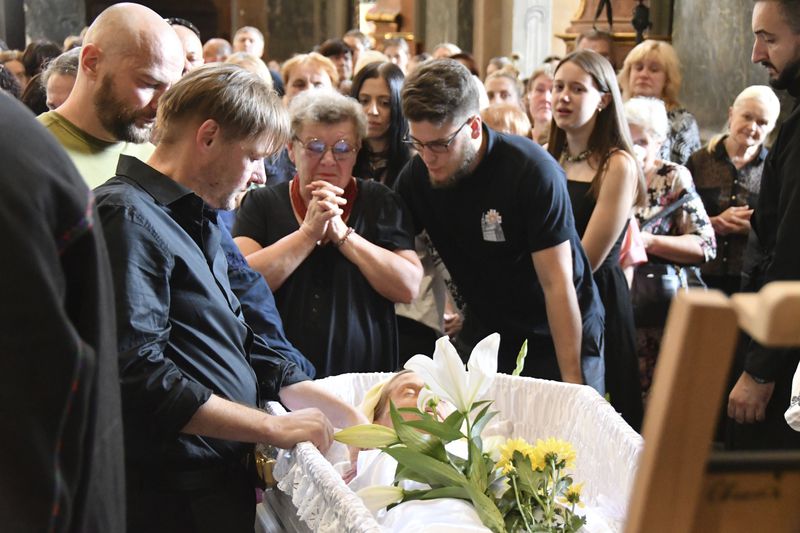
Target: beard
118,118
469,154
788,76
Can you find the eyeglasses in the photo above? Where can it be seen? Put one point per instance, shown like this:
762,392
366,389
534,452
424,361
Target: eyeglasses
437,147
341,149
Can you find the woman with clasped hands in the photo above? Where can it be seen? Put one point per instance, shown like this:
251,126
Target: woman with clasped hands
337,251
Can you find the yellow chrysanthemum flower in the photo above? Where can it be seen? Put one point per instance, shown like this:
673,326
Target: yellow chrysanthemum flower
561,450
573,495
507,450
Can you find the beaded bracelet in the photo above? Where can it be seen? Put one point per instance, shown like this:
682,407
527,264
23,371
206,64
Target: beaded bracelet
346,236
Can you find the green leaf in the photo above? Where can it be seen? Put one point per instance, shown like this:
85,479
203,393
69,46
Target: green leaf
523,353
483,418
529,480
477,468
440,429
367,436
420,442
403,472
435,472
480,403
486,509
441,492
454,419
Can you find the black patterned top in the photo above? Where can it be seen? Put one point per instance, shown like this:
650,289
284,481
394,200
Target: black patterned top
666,183
683,138
720,186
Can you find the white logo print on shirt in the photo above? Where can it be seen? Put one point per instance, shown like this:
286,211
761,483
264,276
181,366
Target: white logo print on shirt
491,226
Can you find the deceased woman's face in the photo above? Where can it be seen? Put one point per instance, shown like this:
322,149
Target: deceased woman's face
403,392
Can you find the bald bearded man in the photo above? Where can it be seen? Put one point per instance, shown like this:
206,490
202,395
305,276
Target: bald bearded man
130,57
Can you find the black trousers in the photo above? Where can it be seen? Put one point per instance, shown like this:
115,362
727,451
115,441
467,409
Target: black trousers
209,501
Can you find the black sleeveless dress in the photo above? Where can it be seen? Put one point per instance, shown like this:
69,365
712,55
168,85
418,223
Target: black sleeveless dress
622,365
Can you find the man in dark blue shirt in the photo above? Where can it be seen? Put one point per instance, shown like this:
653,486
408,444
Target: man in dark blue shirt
192,371
496,208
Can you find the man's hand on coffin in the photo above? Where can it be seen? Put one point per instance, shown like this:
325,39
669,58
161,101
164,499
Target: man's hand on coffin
747,402
299,426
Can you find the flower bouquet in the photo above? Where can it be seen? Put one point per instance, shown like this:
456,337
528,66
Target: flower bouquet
513,485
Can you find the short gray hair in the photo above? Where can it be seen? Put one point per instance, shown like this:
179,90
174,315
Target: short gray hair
326,106
66,64
439,91
238,100
650,114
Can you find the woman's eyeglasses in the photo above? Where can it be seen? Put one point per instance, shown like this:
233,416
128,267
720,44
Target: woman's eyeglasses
340,150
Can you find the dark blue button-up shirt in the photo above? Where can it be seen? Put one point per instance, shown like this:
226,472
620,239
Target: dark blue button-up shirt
181,333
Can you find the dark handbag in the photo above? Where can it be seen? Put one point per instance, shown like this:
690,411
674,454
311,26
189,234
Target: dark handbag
655,284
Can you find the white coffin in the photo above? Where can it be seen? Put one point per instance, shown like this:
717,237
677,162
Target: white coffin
607,451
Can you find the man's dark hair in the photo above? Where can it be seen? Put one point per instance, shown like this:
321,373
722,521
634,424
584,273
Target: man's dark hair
791,10
177,21
334,47
439,91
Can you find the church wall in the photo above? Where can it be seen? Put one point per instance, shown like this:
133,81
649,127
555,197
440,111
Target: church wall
714,41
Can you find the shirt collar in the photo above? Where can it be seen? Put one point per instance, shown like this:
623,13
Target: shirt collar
721,153
162,188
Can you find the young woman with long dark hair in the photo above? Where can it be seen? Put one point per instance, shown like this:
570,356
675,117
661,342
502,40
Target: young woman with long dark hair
591,140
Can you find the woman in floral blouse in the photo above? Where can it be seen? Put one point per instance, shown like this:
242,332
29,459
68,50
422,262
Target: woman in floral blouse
728,177
652,69
684,237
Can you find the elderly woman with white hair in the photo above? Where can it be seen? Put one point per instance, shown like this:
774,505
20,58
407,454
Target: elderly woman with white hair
727,174
337,251
676,231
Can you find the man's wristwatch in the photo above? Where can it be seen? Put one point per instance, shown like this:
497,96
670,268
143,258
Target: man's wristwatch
760,381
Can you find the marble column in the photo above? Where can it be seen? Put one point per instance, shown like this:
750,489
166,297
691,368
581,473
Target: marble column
449,21
54,19
294,26
716,63
12,23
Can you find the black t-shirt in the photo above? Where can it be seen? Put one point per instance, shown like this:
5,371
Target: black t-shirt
486,227
330,311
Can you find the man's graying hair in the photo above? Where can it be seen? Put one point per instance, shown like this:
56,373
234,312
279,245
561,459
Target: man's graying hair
440,91
66,64
239,101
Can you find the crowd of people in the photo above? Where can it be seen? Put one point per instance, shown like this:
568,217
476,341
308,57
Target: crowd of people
253,225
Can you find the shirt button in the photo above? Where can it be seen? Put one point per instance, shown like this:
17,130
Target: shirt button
733,197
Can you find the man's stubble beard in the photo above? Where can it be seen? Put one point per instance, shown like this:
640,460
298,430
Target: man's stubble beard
117,118
463,170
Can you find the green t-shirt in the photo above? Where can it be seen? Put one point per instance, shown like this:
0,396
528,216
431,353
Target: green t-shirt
96,159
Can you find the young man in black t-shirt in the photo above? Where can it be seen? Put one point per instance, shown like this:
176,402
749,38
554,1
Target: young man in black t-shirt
498,212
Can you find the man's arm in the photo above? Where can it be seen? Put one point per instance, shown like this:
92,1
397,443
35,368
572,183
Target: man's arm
554,270
222,419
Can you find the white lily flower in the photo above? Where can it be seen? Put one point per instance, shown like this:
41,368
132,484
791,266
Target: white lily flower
427,400
447,378
377,497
